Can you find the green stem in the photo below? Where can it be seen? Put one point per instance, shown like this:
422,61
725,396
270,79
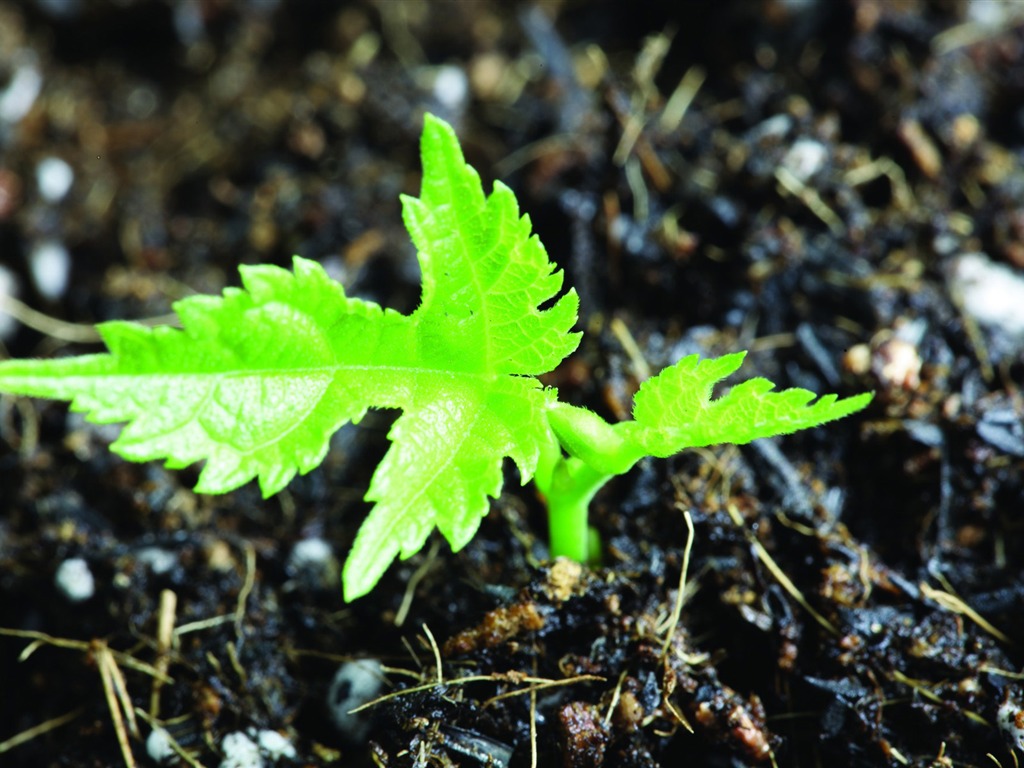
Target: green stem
573,486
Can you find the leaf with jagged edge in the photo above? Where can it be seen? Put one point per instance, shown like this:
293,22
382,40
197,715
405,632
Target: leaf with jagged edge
257,380
479,321
675,410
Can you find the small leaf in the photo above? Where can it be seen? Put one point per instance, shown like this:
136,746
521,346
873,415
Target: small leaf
675,410
484,274
444,462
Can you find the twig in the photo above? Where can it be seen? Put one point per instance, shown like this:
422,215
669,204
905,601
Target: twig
955,604
679,716
195,626
631,348
616,695
533,724
542,683
681,99
79,333
164,642
41,638
677,609
410,588
117,700
777,572
38,730
437,653
178,749
810,198
250,581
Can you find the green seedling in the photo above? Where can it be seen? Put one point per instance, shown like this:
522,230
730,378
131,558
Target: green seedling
257,380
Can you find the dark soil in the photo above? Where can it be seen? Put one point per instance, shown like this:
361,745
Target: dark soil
836,186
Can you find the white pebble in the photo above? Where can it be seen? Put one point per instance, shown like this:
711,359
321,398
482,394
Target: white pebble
274,745
158,745
774,127
188,23
310,552
451,86
21,92
805,158
355,683
991,293
992,14
240,752
50,264
75,580
54,178
312,565
8,287
157,559
1011,721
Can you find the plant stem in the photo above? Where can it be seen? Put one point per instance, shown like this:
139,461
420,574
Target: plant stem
573,485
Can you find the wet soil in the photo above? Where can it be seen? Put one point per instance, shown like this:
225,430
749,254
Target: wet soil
835,186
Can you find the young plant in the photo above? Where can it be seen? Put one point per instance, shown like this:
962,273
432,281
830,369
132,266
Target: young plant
257,380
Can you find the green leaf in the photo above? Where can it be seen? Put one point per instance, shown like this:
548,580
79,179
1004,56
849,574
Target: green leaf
257,380
484,274
675,410
444,462
480,335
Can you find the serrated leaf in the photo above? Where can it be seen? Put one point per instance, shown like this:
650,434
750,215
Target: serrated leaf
444,462
675,410
257,380
484,274
480,326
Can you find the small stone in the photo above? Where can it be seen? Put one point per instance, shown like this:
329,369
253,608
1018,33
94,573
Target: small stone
158,745
8,287
274,745
75,580
991,293
1011,722
312,565
54,178
50,265
897,363
857,359
991,14
805,158
21,92
355,683
240,752
312,552
451,87
157,559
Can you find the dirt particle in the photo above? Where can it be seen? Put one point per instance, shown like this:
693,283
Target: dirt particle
497,627
585,736
563,579
629,712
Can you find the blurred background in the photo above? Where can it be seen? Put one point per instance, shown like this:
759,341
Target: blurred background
835,185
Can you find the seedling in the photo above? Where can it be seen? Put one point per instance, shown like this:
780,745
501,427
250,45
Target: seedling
257,380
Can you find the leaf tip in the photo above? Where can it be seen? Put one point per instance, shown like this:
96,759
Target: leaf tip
438,133
359,582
